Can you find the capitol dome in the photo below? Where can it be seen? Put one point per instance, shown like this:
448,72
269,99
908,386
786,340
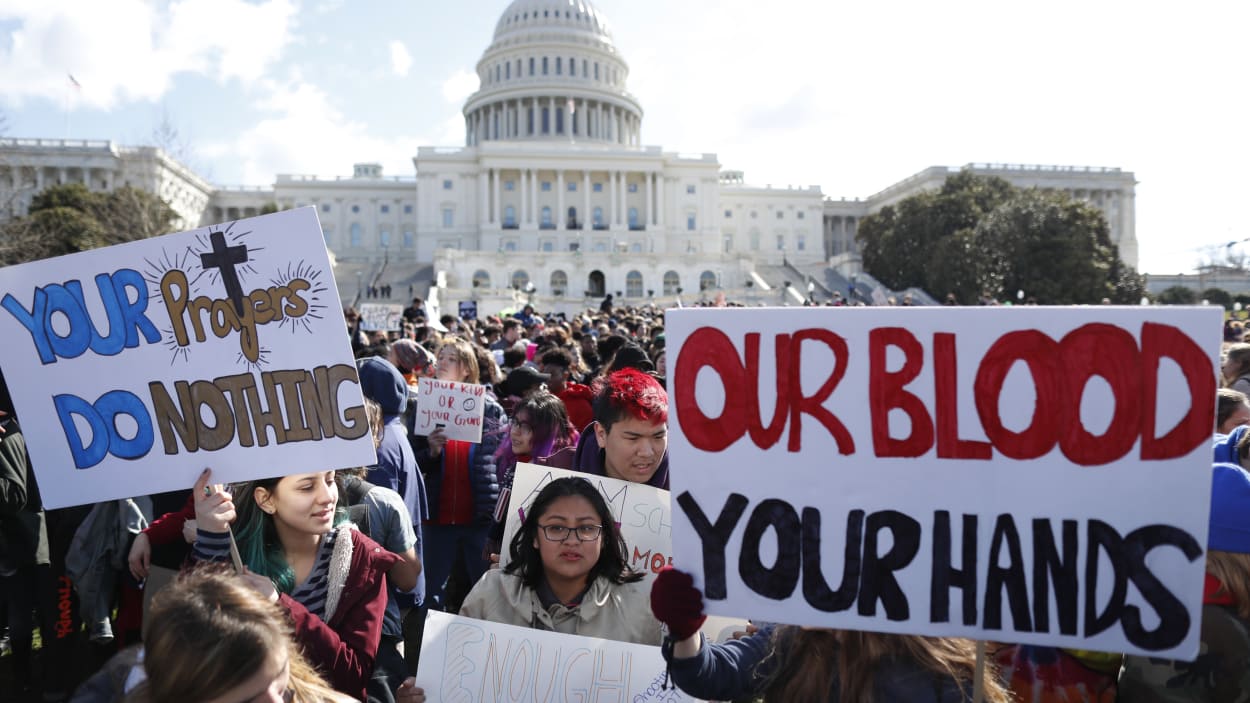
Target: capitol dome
552,72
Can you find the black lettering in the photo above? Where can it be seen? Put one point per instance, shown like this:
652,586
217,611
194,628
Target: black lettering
779,581
714,538
815,586
1049,568
946,577
878,581
1174,619
1011,576
1103,537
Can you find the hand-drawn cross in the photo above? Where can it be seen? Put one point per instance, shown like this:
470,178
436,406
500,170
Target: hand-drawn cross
224,258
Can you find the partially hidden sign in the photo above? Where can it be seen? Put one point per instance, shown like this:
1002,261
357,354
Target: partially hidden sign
136,366
456,408
467,660
1033,475
384,317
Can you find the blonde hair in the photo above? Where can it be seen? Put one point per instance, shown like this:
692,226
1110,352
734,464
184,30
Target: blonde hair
210,632
1232,569
811,660
465,355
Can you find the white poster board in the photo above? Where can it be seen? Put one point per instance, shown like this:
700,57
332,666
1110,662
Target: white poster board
466,660
643,516
1033,475
381,317
135,366
455,407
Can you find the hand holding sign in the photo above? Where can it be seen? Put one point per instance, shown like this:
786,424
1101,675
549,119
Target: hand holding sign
214,506
454,408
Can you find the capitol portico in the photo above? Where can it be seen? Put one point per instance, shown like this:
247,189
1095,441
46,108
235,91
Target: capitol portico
554,196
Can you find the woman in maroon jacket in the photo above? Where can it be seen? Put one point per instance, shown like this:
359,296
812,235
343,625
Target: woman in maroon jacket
330,578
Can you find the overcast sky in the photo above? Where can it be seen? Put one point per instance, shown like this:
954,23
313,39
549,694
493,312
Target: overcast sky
849,96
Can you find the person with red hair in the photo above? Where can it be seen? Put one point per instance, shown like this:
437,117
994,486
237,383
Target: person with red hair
630,437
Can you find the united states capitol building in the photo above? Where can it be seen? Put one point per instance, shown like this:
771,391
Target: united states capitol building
554,197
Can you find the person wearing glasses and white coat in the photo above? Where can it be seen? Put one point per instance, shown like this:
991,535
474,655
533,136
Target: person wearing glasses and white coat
568,572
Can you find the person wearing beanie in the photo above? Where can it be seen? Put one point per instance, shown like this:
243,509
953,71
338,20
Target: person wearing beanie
1221,673
413,360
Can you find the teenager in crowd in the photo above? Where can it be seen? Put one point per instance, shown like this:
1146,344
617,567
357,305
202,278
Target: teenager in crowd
301,552
212,638
568,572
412,360
460,477
1236,368
1232,411
630,437
540,427
790,663
557,363
1221,673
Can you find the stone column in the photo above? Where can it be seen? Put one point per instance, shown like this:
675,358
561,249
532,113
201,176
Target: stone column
659,200
612,198
483,215
533,196
494,215
649,184
525,206
623,211
585,198
559,214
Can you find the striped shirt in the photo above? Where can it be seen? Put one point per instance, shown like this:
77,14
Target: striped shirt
215,546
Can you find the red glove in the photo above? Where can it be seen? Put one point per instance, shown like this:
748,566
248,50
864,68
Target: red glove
677,603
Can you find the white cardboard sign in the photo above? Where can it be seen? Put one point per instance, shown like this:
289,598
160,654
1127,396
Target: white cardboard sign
466,660
1034,475
455,407
135,366
381,317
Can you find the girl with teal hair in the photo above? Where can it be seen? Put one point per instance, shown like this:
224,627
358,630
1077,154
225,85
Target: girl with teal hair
299,550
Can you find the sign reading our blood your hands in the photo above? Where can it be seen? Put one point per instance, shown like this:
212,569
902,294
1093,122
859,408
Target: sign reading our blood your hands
136,366
1034,475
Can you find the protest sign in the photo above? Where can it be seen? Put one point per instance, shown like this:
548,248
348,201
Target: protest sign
381,317
643,515
135,366
455,407
468,309
468,660
1034,475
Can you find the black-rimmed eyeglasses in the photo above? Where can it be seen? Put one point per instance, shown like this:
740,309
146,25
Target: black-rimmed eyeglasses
559,533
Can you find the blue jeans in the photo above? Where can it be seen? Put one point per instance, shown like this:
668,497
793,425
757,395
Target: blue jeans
443,543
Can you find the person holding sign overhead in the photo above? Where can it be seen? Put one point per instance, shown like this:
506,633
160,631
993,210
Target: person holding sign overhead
791,663
298,551
569,572
460,480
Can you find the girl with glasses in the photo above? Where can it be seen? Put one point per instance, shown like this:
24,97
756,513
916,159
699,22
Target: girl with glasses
568,572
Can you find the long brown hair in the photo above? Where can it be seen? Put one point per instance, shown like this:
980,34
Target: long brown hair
812,660
1233,571
210,632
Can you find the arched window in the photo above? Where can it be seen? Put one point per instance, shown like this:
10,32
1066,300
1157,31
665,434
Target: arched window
707,280
481,279
509,216
546,218
633,218
384,238
633,285
520,279
598,215
572,221
672,282
357,234
559,282
595,284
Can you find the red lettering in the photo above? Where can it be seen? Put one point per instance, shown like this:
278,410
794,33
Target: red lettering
1159,341
945,383
1110,352
886,392
814,404
1041,354
767,436
709,347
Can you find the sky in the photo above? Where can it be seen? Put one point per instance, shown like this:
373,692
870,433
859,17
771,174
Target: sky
852,97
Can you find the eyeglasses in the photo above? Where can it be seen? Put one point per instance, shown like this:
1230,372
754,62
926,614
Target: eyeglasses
559,533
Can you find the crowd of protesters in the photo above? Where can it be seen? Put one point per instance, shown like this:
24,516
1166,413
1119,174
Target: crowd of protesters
341,567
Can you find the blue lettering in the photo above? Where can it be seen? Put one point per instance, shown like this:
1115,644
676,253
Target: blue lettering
102,419
32,320
115,403
134,313
89,455
68,299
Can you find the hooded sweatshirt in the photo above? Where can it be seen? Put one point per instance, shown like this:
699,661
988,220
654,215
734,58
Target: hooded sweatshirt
1225,445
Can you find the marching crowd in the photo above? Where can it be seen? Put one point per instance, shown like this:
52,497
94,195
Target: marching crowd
340,568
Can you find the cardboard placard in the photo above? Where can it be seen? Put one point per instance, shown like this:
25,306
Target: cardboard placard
469,660
456,407
135,366
1033,475
385,317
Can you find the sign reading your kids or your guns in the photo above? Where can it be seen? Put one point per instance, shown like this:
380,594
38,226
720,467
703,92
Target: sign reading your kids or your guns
135,366
1033,475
